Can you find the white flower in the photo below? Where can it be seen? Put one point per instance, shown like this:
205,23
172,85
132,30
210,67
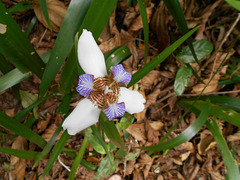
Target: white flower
101,91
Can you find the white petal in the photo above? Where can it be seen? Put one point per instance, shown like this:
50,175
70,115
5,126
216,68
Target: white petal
134,101
84,115
90,57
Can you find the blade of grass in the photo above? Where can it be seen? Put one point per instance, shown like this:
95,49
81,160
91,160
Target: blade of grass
229,102
31,25
22,5
78,159
30,155
48,146
74,17
230,163
83,162
160,58
186,135
43,5
176,11
5,68
116,56
143,12
21,130
226,114
15,46
12,78
56,151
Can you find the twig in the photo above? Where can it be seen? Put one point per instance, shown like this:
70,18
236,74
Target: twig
209,93
64,165
229,32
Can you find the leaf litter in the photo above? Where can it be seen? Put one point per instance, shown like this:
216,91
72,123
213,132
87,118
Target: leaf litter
197,158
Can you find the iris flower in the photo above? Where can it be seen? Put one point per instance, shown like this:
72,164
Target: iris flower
102,91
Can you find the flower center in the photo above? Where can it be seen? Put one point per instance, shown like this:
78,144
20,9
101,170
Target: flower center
105,92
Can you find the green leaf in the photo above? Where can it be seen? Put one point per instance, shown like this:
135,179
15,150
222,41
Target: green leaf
176,11
28,98
158,59
202,48
12,78
78,159
122,154
95,143
116,56
106,167
21,130
31,25
65,104
226,114
229,102
182,80
125,122
101,141
30,155
234,3
76,12
187,134
230,163
22,5
43,5
15,46
111,131
143,12
56,151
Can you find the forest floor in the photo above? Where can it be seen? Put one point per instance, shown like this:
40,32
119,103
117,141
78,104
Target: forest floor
198,158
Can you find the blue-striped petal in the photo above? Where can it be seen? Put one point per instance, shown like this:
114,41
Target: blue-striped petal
114,110
85,84
120,75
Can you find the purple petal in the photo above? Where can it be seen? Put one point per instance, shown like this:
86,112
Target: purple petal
114,110
85,84
120,75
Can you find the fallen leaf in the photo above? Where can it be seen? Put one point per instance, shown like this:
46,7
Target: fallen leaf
137,23
48,133
18,163
56,12
156,125
197,89
137,131
146,162
206,142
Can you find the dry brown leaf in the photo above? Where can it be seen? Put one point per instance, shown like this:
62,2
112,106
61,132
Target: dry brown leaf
19,164
56,12
151,79
206,142
197,89
145,161
48,133
206,14
137,23
159,25
156,125
137,131
234,137
10,112
110,44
